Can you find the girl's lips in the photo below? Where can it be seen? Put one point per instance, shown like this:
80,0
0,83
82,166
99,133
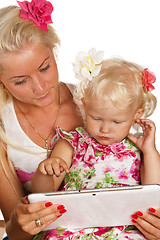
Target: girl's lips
104,138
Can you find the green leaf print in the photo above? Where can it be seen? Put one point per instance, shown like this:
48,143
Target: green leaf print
39,236
137,151
99,185
60,231
68,136
98,154
89,174
131,144
109,179
79,129
74,180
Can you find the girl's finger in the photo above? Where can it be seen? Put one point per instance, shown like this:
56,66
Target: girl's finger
49,169
56,168
65,166
42,169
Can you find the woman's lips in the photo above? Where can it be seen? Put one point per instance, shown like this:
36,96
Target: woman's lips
43,97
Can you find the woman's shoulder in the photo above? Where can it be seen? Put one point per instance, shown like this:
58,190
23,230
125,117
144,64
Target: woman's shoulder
69,109
66,91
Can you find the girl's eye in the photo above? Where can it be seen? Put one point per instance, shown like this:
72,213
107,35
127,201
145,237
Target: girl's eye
96,119
20,82
44,69
116,122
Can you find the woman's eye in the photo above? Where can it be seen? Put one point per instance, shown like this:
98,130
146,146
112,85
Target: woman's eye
44,69
20,82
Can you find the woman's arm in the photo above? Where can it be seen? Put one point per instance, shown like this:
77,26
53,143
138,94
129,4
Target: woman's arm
44,179
148,223
18,214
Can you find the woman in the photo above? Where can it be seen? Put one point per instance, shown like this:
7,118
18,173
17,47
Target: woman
33,102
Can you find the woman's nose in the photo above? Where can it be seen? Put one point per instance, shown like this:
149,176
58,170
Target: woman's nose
38,85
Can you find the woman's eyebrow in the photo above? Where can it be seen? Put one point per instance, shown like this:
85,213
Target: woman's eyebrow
43,62
25,75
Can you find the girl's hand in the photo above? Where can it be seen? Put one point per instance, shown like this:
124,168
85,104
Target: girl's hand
148,223
52,166
147,141
26,215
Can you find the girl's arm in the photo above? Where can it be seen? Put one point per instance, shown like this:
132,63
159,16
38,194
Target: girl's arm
150,169
44,179
20,216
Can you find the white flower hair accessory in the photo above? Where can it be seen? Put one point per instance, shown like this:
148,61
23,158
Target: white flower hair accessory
87,65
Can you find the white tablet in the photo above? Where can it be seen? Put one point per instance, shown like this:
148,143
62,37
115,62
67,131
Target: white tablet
100,207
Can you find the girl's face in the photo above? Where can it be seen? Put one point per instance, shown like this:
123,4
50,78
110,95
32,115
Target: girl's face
106,123
31,75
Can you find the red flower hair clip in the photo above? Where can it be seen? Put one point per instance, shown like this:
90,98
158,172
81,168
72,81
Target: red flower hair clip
38,11
148,79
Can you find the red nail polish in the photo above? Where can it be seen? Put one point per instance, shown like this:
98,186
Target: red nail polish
48,204
152,210
133,221
59,216
63,211
134,216
60,207
139,213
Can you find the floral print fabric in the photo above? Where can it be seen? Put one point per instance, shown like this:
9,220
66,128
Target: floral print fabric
98,166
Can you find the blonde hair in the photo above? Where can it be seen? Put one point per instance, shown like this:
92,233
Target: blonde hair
16,33
121,82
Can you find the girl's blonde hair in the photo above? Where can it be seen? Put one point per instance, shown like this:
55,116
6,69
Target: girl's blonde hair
122,83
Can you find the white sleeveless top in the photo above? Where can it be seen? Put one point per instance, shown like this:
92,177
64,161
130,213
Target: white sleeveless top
28,155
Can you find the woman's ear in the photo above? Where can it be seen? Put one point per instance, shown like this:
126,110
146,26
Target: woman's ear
84,104
138,114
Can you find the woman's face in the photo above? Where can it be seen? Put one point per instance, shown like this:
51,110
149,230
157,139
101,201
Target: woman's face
31,75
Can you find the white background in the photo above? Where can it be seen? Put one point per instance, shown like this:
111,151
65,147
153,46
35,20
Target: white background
125,28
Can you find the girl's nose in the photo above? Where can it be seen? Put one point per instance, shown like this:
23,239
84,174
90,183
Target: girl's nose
105,128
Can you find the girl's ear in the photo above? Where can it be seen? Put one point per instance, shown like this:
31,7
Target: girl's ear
138,114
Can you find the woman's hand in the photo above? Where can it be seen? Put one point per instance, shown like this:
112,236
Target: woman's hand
148,223
25,216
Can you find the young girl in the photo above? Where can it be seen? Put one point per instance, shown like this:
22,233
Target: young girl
115,94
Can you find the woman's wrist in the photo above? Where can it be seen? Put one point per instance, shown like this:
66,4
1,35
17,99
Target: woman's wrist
14,231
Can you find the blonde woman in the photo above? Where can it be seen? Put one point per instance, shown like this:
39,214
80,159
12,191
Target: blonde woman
32,103
115,95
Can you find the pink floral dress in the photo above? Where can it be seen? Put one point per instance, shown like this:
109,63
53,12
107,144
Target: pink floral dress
98,166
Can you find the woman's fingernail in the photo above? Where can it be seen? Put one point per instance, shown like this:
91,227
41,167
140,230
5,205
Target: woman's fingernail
139,213
62,211
26,199
152,210
48,204
59,216
133,221
134,216
60,207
